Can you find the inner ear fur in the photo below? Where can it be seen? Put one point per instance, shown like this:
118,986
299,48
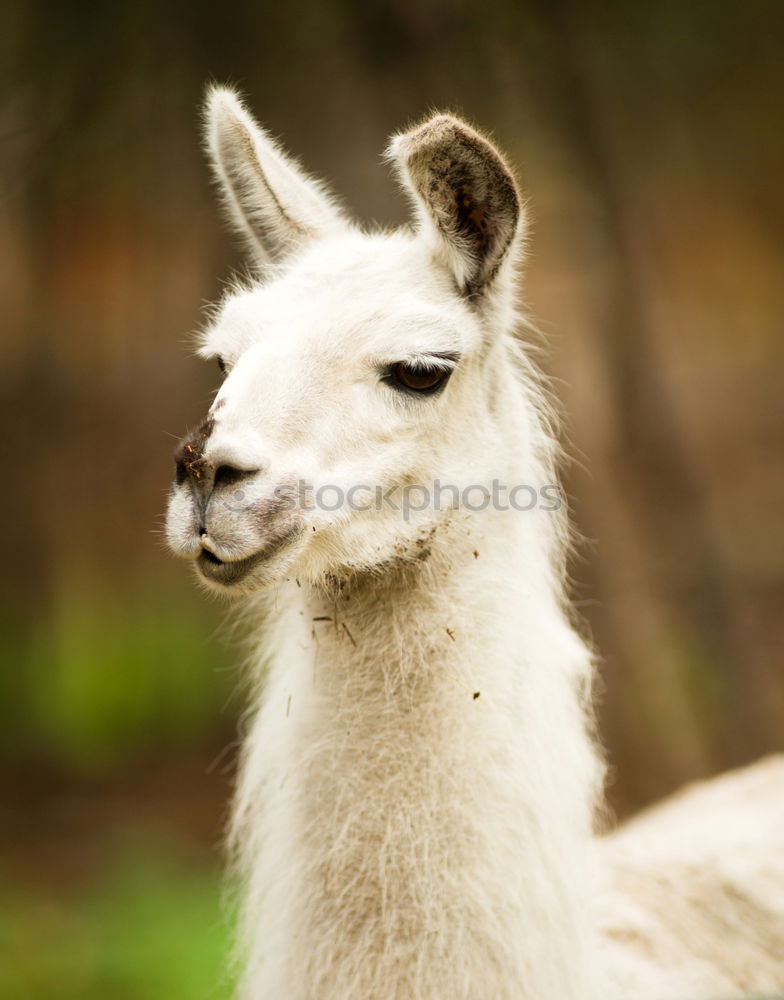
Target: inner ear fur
463,188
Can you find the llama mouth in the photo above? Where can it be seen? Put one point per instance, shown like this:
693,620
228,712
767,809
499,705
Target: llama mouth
229,572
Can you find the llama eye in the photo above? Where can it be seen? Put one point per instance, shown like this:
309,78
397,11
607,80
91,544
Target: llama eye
420,378
224,368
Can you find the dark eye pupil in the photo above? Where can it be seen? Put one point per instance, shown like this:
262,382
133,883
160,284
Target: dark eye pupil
222,366
418,377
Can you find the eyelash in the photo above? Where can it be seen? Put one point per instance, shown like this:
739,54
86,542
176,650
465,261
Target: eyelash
401,374
224,368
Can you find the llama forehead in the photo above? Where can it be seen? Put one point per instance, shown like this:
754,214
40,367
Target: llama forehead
372,299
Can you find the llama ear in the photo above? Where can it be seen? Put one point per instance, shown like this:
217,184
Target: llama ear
464,194
270,200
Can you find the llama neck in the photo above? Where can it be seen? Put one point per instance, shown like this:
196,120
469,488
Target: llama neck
416,801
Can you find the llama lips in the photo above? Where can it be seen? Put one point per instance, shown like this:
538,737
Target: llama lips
228,573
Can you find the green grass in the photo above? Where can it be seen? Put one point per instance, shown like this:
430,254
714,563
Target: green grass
148,927
94,682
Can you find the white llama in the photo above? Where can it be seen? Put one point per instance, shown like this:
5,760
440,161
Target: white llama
418,789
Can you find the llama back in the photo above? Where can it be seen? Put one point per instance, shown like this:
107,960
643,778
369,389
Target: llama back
694,903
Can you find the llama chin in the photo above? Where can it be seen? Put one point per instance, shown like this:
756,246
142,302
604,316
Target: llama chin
420,781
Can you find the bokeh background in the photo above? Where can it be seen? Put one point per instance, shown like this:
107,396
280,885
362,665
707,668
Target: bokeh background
648,136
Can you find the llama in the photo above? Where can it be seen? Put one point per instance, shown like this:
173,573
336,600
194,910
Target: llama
420,781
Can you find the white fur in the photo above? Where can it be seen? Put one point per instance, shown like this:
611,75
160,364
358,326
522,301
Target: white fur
415,810
693,904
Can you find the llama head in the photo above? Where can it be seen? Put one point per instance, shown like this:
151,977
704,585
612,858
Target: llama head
357,367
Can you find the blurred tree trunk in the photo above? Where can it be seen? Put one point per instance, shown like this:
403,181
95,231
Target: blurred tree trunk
655,496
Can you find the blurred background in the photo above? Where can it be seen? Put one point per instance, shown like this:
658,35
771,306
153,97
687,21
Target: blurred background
648,137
